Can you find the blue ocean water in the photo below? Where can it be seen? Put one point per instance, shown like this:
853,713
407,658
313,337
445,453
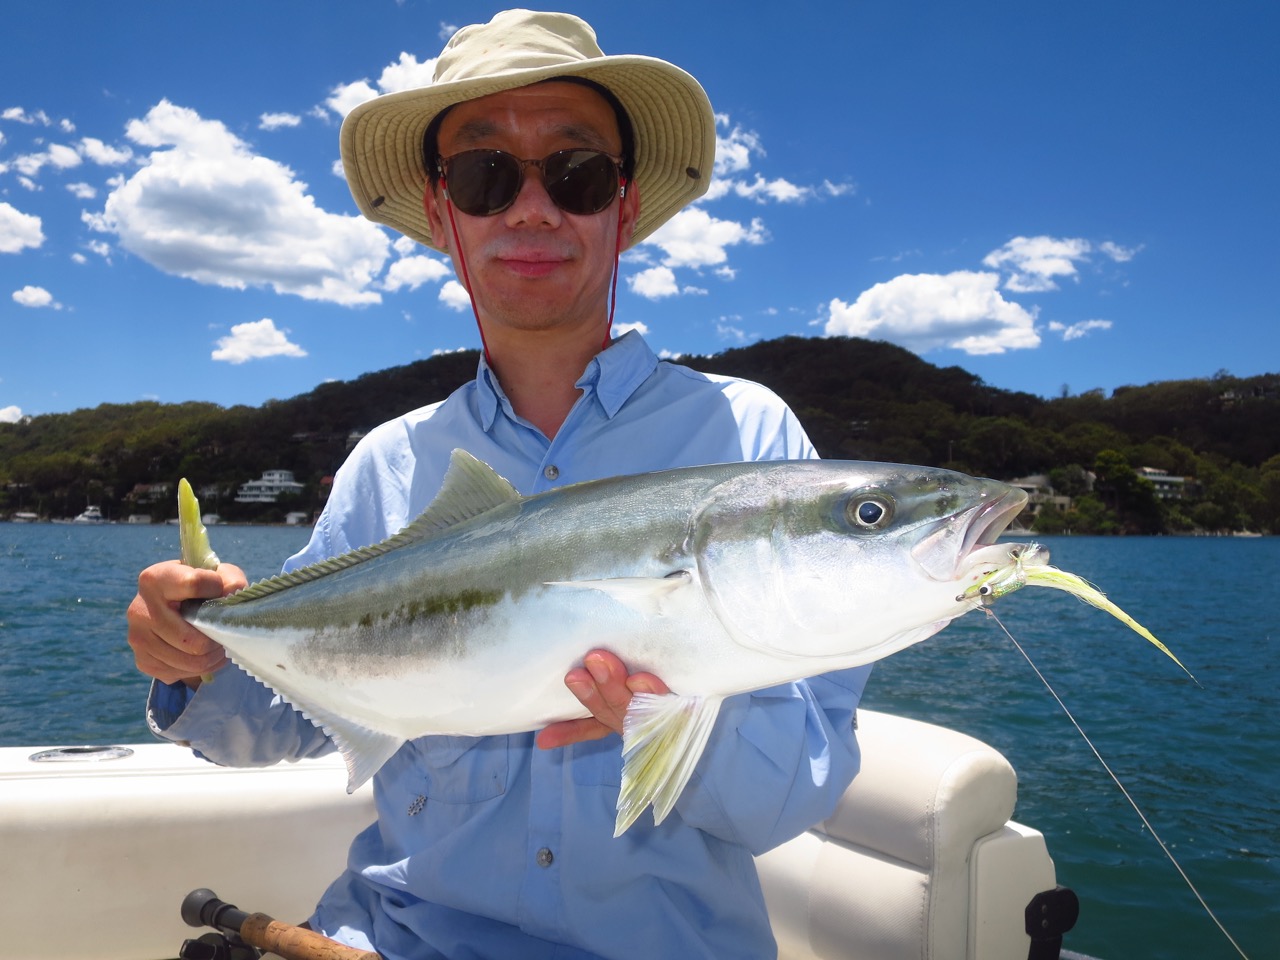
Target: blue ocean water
1203,763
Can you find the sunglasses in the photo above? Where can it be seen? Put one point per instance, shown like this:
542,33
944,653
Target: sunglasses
482,183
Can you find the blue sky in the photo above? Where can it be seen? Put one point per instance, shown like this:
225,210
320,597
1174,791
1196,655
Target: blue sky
1051,196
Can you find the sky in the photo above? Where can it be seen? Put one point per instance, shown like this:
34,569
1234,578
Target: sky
1055,197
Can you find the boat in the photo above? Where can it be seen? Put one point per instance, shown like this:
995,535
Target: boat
24,516
90,515
921,858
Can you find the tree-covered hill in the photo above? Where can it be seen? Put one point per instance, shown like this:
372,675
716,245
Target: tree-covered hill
858,399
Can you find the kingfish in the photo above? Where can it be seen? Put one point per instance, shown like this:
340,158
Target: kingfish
717,579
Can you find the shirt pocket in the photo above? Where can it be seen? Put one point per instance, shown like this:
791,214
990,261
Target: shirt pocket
598,762
464,769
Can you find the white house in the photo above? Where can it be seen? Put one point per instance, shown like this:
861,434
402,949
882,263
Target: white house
266,490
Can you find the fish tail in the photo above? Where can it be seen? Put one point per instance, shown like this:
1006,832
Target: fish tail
193,539
192,535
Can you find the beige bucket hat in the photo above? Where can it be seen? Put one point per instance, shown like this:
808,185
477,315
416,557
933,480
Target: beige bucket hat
675,138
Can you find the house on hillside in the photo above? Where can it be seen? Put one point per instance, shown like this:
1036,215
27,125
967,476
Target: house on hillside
1167,487
272,485
1039,494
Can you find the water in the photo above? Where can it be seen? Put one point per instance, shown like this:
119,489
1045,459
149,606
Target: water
1204,764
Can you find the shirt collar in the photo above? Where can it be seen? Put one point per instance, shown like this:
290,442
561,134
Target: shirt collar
617,372
613,375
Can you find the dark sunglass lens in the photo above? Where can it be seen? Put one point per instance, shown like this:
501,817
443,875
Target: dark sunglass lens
483,182
581,182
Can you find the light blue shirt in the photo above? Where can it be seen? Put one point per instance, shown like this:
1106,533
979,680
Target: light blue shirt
488,847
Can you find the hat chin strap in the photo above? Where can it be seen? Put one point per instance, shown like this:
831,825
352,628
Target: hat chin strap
466,279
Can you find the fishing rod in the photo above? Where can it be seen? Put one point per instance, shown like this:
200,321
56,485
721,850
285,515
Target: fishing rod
242,935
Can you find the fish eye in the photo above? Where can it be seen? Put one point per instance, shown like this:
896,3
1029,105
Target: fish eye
869,511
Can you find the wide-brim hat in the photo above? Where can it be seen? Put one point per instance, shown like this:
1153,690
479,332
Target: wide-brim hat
670,114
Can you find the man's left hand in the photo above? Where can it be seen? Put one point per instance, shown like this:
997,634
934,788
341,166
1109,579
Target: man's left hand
604,687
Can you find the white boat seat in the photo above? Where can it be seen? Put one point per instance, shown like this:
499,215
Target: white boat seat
920,859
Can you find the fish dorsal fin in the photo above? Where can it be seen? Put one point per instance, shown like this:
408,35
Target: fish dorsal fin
470,488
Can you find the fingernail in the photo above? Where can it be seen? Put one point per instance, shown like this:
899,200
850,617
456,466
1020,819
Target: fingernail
597,668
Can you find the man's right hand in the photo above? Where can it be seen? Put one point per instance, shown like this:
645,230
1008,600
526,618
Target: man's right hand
164,645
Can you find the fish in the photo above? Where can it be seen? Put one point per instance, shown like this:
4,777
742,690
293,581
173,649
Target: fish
718,579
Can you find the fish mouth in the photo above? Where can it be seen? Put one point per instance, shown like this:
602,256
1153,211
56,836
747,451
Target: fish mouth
957,545
991,519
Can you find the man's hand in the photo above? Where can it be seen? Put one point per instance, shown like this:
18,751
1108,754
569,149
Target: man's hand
605,688
164,645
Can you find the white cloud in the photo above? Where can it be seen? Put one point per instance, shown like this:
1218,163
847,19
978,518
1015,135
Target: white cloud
407,73
346,97
621,329
21,116
255,340
413,272
1075,331
35,297
10,414
1035,262
404,74
783,191
274,121
962,310
454,296
726,330
694,238
734,151
57,155
104,154
654,283
1118,253
82,191
205,207
18,230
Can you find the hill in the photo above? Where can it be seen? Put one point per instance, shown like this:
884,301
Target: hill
858,399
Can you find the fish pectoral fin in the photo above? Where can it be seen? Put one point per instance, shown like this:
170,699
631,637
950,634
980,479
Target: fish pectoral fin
663,737
651,596
363,750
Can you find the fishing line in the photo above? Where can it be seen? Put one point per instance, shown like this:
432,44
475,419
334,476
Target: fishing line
1133,803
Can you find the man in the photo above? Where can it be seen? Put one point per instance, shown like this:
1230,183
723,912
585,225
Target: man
534,160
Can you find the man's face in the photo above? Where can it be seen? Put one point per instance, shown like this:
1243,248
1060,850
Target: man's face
533,266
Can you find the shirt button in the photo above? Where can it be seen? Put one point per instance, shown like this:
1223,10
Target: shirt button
544,857
551,471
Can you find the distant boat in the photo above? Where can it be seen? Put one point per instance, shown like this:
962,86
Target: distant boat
23,516
91,515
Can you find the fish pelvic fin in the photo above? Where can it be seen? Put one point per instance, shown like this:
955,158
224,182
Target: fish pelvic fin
663,737
192,535
471,487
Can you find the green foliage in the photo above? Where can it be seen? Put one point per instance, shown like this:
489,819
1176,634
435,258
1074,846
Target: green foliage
858,399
